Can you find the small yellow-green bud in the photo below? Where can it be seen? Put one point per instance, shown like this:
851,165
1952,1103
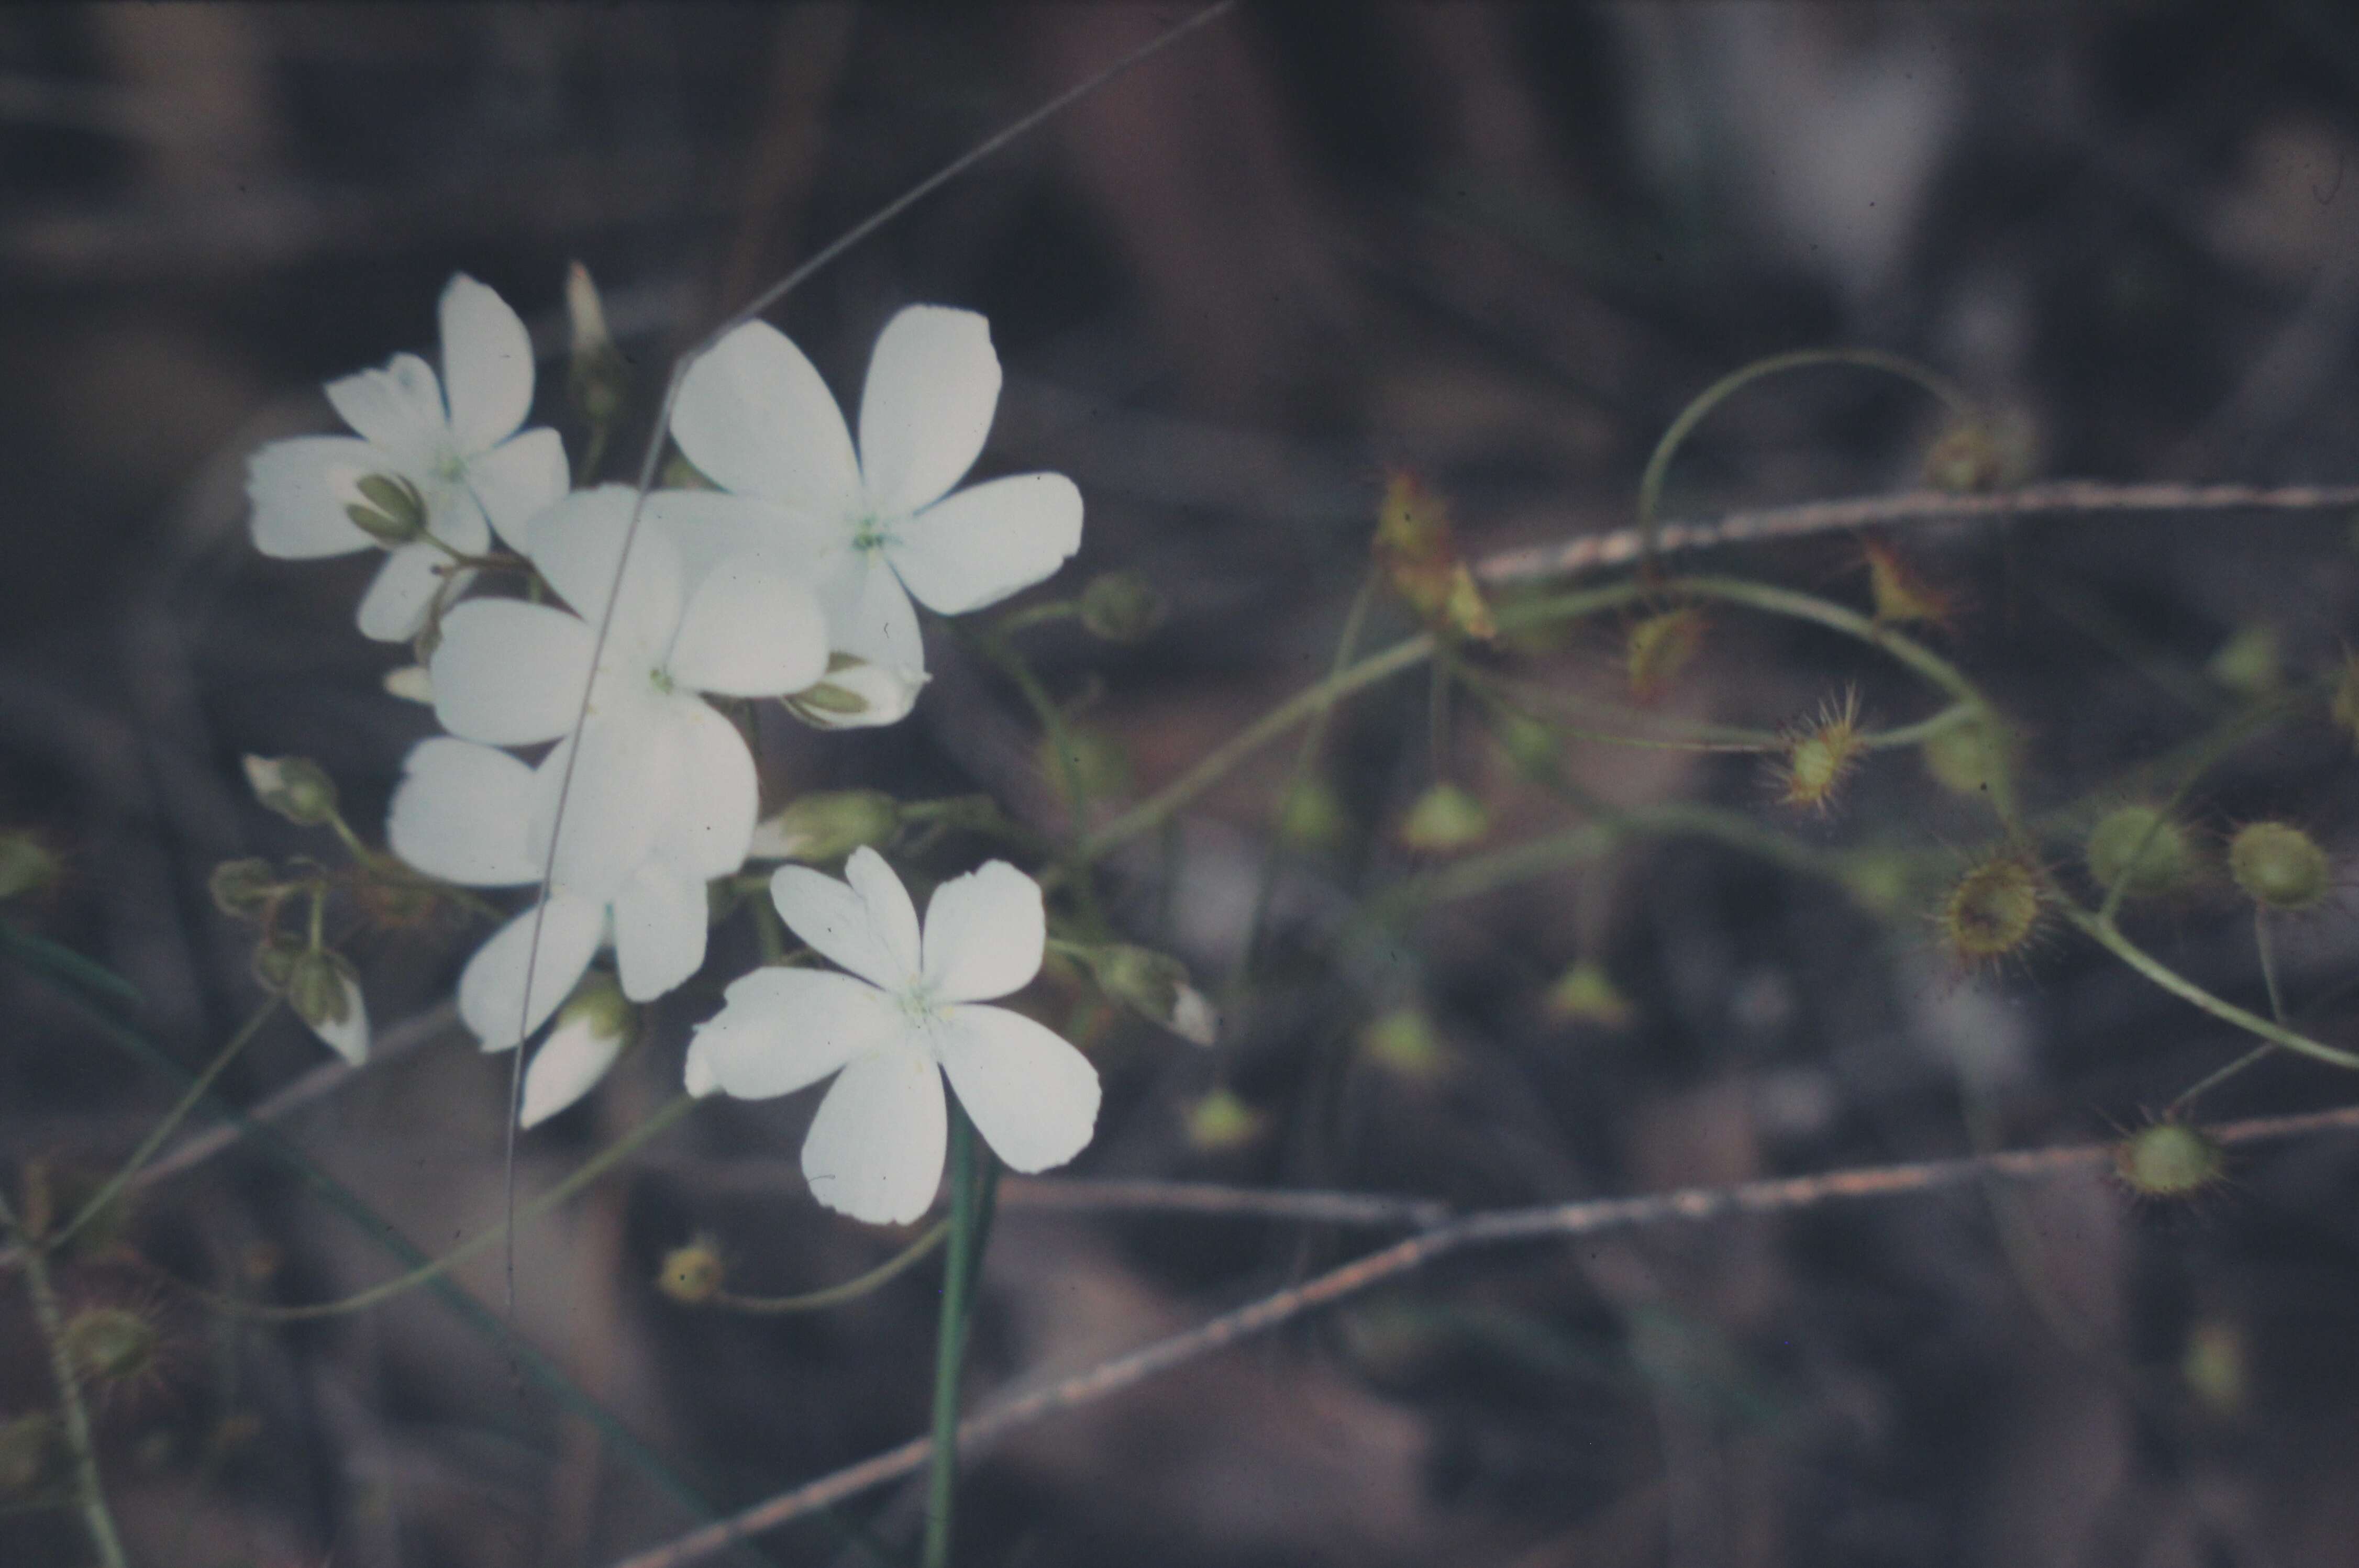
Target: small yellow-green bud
1097,759
1220,1121
1312,816
242,889
600,377
297,788
26,864
2164,856
2168,1160
32,1450
1155,987
275,960
1994,910
1529,744
2279,866
1962,759
1585,993
390,509
1445,819
827,825
2249,663
1404,1042
1122,607
411,683
110,1344
692,1274
319,987
599,1006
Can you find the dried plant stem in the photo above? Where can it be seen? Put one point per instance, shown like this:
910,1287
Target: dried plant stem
89,1492
1548,1222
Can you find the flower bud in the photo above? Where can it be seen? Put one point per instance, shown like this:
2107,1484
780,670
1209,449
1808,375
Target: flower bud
1220,1121
1657,648
244,889
1964,759
856,695
297,788
2143,849
1155,987
1122,607
32,1455
1585,993
1404,1042
1312,817
110,1344
1415,549
1445,819
390,509
692,1274
2279,866
594,1027
411,683
826,825
600,377
1098,762
275,960
26,864
325,993
2168,1160
2249,663
1994,910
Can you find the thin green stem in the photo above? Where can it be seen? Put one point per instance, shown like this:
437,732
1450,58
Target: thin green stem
1060,733
2107,934
190,1099
90,1492
836,1295
1650,485
1033,615
590,1170
958,1279
2268,1048
2239,729
2205,1086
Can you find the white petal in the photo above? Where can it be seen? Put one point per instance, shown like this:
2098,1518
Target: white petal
749,631
487,364
491,991
517,480
454,516
875,1147
349,1036
398,407
1030,1093
615,801
981,545
782,1030
984,934
710,828
933,383
510,674
710,525
299,488
567,1065
411,683
755,417
843,922
578,544
394,608
869,614
888,695
660,920
460,813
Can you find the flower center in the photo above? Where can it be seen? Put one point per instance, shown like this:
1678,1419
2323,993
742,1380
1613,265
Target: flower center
660,678
921,1006
870,535
451,467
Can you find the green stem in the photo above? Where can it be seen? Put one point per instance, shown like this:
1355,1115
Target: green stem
836,1295
1033,615
2109,936
2268,1048
89,1491
950,1356
190,1099
1650,485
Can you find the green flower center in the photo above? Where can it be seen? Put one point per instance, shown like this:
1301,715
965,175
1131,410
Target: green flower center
869,534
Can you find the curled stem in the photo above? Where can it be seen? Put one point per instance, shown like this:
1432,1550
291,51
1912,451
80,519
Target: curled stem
836,1295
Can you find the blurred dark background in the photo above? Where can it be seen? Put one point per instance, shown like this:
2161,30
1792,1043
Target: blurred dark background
1499,244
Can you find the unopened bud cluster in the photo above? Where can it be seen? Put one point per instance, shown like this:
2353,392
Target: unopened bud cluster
297,788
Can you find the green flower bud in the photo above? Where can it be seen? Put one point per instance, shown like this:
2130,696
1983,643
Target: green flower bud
320,987
1404,1042
692,1274
1444,819
110,1344
600,377
244,889
1155,987
297,788
390,509
273,962
1312,817
2168,1160
2279,866
855,694
1220,1121
2248,663
26,864
1585,993
2164,857
32,1453
827,826
1964,759
679,473
1528,743
1122,607
599,1006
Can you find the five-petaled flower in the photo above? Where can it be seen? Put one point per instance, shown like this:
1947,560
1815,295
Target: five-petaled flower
907,1014
873,527
436,466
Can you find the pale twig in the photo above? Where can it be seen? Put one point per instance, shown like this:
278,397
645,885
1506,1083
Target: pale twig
1545,1222
1595,552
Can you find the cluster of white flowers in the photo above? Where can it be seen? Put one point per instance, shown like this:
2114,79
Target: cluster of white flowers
791,580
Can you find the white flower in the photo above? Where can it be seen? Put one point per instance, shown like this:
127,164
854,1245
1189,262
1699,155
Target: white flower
591,1032
905,1016
467,814
652,753
454,443
881,525
856,695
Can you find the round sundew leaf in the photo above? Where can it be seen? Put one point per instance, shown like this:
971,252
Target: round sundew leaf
782,1030
299,488
1030,1093
487,364
510,674
875,1151
986,932
492,987
933,385
460,813
754,416
398,408
981,545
